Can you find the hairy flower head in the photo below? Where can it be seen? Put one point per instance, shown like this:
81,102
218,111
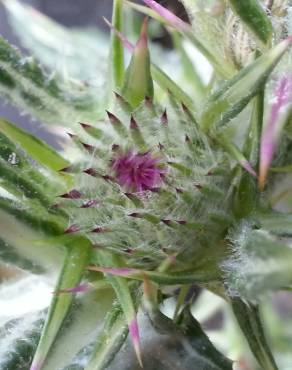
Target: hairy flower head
138,171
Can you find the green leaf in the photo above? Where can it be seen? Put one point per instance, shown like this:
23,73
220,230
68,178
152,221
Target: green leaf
22,245
19,176
124,297
116,58
260,262
74,264
36,148
235,94
109,340
80,329
19,338
167,84
276,222
190,71
184,347
248,318
25,84
160,278
253,16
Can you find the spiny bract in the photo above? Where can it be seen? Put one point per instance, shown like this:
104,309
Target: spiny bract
166,185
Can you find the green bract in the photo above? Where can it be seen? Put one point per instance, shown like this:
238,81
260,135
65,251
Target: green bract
157,190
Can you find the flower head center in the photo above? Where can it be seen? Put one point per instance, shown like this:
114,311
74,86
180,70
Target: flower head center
138,171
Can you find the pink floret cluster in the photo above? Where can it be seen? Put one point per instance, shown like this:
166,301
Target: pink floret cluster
138,172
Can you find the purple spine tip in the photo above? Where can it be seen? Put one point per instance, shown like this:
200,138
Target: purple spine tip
115,147
73,194
198,186
72,229
164,118
181,222
91,172
113,119
85,126
89,204
148,102
99,229
88,147
68,169
135,215
133,124
72,136
184,108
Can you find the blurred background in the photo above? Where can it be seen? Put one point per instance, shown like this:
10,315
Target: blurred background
77,13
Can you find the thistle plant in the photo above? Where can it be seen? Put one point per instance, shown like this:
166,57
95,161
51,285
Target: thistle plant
168,182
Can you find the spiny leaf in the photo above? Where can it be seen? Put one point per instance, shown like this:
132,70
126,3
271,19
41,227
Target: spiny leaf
280,109
190,71
36,148
80,328
109,340
260,262
185,346
19,340
20,245
158,277
234,95
116,58
124,296
254,17
249,321
45,39
24,83
74,263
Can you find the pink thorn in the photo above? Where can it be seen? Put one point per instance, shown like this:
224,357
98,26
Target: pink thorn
247,166
80,288
171,18
272,131
37,366
123,39
135,336
124,271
